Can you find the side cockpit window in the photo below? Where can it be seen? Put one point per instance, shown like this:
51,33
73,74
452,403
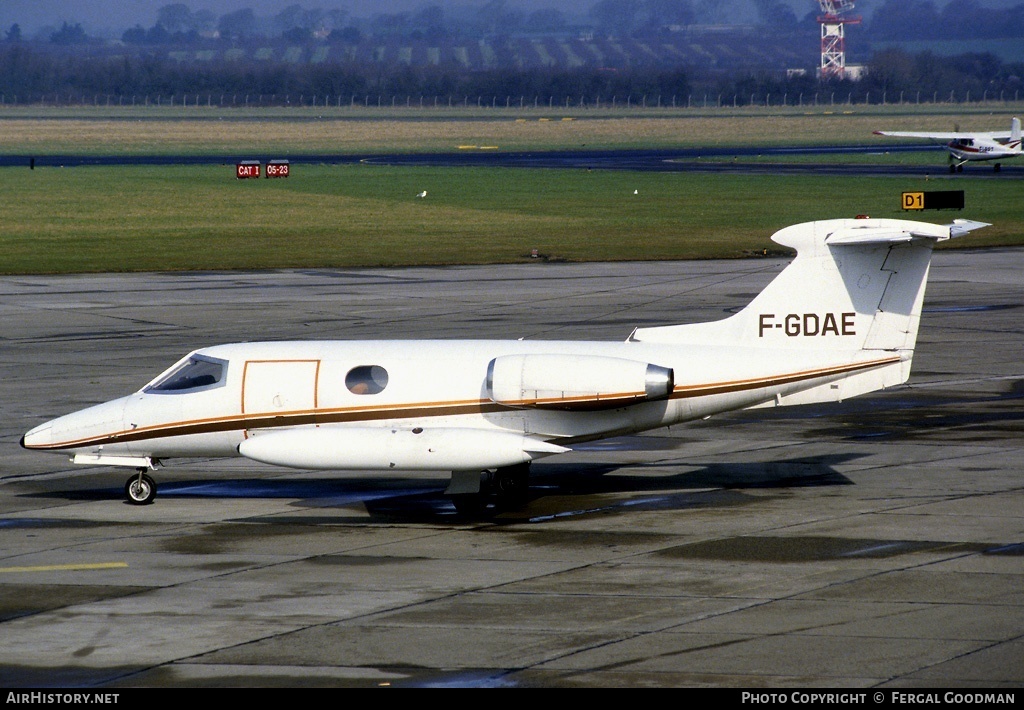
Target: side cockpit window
366,379
198,372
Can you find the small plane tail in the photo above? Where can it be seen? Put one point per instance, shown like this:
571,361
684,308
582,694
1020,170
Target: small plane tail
855,291
1015,131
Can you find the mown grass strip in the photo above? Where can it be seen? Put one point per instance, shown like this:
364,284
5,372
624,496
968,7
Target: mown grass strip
140,218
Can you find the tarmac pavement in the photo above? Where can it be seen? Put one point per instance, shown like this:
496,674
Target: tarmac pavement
875,543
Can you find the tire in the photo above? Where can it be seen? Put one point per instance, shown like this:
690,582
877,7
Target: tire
512,484
140,489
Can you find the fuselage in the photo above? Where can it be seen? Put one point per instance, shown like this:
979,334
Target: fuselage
216,398
969,149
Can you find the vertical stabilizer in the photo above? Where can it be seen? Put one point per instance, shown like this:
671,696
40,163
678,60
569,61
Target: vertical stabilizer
852,297
855,284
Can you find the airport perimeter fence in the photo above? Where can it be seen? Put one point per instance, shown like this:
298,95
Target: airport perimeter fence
819,99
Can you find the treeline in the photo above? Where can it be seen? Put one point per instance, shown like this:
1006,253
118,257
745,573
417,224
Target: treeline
29,76
178,23
907,20
977,76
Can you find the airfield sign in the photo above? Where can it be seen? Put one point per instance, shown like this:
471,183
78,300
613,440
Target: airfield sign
936,200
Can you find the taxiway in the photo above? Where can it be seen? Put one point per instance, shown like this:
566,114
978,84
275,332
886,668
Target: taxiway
874,543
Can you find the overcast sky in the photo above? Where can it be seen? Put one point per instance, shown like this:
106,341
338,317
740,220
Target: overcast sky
110,18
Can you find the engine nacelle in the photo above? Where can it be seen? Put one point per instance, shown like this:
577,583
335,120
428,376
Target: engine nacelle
575,381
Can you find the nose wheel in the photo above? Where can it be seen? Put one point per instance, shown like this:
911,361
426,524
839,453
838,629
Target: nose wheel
140,489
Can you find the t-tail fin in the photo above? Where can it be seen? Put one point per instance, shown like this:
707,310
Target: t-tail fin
855,289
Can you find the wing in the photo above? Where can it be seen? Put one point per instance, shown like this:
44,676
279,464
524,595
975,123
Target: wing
931,136
942,136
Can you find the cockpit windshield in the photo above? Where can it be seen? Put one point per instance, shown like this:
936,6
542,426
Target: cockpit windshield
198,372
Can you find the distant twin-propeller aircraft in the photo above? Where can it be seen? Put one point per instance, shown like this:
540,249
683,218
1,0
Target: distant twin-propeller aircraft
965,146
840,320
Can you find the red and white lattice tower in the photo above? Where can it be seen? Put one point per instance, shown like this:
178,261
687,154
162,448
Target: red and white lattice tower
833,37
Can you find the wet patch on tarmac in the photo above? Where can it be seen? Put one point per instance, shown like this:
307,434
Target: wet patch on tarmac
991,419
970,309
810,549
20,600
227,537
1014,550
362,560
105,493
337,492
908,415
47,523
569,479
549,511
63,677
601,539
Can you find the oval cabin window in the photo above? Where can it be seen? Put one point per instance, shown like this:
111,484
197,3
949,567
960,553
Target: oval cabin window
366,379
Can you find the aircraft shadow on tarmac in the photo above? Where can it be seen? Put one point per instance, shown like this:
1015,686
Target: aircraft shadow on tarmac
556,490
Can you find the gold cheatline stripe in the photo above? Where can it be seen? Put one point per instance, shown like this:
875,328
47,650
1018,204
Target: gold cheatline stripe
434,409
67,568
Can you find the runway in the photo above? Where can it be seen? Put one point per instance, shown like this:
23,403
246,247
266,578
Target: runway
875,543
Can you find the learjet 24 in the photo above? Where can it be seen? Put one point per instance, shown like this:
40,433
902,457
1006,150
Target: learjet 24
840,320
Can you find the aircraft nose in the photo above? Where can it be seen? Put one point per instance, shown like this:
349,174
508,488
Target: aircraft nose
83,428
39,437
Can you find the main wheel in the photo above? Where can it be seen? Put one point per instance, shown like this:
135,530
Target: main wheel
512,483
140,489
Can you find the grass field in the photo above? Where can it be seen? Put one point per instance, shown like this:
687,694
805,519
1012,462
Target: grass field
137,218
198,130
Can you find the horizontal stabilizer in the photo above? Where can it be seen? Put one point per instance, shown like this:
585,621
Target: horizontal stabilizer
868,236
888,235
960,227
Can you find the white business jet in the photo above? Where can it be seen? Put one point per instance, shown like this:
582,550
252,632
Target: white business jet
965,147
839,321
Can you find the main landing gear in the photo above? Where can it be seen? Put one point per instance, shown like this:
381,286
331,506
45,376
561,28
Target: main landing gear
959,167
140,489
509,486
